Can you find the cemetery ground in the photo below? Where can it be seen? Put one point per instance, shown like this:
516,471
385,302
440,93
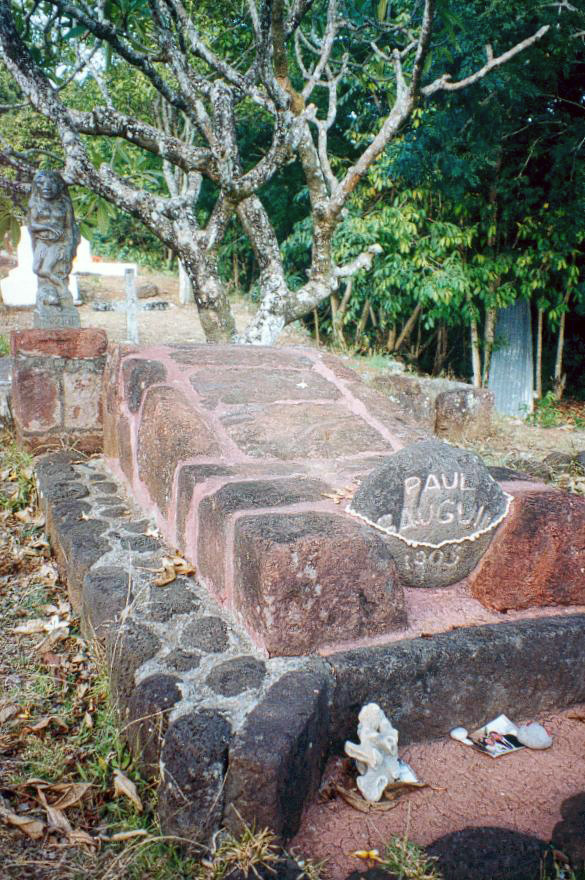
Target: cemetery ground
71,802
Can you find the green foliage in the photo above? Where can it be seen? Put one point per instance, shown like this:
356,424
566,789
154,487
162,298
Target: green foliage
546,413
407,861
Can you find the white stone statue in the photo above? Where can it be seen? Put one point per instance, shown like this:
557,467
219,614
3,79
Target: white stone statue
376,756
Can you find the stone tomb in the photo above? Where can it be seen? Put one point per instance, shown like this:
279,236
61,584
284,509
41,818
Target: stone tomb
250,459
235,685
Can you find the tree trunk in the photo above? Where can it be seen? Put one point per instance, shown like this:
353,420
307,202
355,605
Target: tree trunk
488,344
408,327
185,286
538,377
475,354
440,350
559,378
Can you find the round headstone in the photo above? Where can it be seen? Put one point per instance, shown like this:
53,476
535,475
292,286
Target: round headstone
439,507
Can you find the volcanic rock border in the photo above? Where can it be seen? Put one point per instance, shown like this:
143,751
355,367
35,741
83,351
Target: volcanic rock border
232,735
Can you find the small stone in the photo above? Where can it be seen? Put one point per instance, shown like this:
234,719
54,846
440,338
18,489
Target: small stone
208,634
534,736
182,661
146,290
236,676
559,460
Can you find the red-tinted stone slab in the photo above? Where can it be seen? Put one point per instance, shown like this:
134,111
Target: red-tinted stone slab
138,375
259,385
215,541
239,356
302,580
537,556
36,399
82,400
170,432
301,431
65,343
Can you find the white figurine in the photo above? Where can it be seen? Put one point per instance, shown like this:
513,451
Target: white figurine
376,756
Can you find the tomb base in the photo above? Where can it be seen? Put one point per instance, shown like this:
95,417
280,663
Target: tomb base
197,698
57,387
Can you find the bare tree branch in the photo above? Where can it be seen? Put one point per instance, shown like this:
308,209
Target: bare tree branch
444,82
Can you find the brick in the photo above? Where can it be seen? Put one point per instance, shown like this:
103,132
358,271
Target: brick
71,342
170,431
537,556
288,586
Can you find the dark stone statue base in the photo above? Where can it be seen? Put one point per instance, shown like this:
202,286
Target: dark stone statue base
56,316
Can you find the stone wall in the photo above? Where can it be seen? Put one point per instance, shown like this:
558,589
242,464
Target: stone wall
57,379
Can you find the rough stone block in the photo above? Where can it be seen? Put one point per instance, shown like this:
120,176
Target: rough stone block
170,431
244,356
138,375
537,556
215,541
257,385
428,686
233,677
82,400
409,394
276,759
127,648
69,343
148,709
464,413
36,400
298,432
288,586
190,476
106,592
194,762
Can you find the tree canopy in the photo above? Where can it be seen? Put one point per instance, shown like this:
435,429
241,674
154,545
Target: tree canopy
191,116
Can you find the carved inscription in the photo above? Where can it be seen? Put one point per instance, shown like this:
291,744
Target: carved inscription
436,502
438,505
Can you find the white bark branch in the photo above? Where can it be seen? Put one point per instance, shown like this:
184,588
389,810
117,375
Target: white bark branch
444,82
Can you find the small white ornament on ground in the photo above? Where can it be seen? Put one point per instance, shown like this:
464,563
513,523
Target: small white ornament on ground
376,755
534,736
461,734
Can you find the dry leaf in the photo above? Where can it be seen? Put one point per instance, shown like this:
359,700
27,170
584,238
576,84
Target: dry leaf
576,715
77,837
8,712
30,627
128,835
57,819
124,786
70,793
43,723
167,577
88,720
33,828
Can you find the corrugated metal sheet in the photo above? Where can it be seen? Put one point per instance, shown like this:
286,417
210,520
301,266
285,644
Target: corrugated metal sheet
512,371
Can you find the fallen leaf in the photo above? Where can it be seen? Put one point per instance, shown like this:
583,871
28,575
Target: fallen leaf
76,837
33,828
57,819
70,793
128,835
43,723
30,627
576,715
88,720
8,712
124,786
